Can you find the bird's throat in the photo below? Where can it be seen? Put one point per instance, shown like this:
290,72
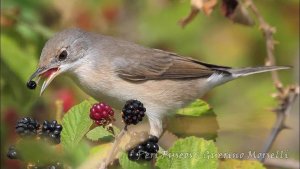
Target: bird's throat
49,72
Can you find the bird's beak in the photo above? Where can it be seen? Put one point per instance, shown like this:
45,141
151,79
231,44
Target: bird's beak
48,74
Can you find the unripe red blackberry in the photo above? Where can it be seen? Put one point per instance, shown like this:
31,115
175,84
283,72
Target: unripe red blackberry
27,127
102,114
133,112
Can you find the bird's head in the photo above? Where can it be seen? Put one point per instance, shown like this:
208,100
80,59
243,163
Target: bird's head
61,54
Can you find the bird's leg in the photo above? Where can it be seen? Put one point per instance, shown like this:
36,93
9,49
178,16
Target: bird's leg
156,127
156,130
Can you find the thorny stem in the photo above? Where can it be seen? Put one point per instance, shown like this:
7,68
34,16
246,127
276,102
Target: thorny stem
279,124
268,32
286,96
114,149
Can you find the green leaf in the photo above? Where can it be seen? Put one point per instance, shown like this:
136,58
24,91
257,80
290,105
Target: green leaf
197,108
76,124
116,130
197,119
189,153
101,149
240,164
98,133
128,164
203,126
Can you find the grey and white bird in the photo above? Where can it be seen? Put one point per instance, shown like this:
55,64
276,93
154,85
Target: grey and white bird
114,71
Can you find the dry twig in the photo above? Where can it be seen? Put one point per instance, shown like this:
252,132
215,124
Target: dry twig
286,96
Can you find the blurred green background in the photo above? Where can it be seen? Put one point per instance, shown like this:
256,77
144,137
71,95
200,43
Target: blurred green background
242,107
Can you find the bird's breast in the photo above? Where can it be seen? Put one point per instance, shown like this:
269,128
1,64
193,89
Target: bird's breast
98,83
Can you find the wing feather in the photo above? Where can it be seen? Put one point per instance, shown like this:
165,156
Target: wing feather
157,64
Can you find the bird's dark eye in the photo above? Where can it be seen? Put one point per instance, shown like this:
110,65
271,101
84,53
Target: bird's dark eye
63,55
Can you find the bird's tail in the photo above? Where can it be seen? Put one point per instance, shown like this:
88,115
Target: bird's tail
227,74
240,72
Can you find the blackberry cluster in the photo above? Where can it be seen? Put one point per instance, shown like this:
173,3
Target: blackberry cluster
27,127
144,151
102,114
30,127
133,112
51,131
12,153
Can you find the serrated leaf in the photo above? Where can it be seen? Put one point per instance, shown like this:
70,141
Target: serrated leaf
98,133
128,164
240,164
190,153
197,108
76,124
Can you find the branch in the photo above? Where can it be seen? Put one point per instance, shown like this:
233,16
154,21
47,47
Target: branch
268,32
113,151
281,113
285,96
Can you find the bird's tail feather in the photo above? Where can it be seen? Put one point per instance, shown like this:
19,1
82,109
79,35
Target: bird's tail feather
240,72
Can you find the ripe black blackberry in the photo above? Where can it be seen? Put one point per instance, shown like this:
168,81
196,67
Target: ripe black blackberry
133,112
144,151
51,131
27,127
151,147
12,153
134,155
153,139
31,84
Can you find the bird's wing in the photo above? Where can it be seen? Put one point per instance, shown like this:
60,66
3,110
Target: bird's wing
157,64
